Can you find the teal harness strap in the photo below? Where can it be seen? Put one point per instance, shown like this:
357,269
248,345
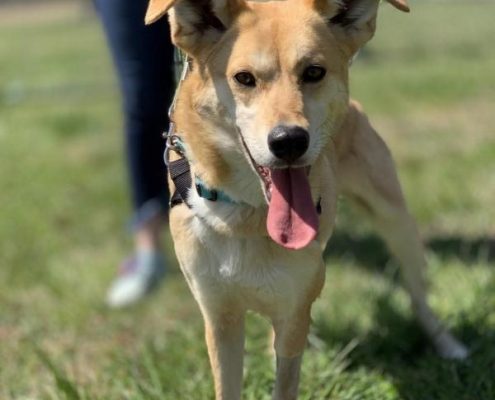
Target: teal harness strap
211,194
180,170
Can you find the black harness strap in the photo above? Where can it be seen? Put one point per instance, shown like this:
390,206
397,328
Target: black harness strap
180,172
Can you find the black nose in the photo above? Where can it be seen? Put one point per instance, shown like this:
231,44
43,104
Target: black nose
288,142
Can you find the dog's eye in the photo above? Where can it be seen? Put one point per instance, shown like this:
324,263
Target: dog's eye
245,78
313,73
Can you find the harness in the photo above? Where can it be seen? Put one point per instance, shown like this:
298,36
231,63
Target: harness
180,172
180,169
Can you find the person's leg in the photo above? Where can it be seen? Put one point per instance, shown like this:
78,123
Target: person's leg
143,56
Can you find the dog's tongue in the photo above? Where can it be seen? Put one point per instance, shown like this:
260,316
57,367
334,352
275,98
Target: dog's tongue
292,220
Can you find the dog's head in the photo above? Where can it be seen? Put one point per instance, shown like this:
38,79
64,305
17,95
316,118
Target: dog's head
279,68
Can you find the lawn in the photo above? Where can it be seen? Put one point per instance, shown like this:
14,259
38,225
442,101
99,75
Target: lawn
428,82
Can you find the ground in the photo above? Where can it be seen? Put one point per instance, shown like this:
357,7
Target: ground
428,83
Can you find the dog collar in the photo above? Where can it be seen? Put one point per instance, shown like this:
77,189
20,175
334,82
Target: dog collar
211,194
180,172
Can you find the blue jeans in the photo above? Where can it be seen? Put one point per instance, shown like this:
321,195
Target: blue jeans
143,56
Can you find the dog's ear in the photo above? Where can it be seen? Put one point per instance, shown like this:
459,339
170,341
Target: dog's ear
400,5
355,20
157,9
195,24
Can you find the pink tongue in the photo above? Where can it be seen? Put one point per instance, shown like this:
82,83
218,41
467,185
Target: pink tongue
292,220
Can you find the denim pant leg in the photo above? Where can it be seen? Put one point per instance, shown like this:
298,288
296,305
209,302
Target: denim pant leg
143,56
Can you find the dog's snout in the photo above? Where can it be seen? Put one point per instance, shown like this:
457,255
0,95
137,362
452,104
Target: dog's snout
288,142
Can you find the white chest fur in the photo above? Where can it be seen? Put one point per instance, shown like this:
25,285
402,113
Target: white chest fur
252,270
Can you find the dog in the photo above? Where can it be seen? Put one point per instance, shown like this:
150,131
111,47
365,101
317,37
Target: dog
263,140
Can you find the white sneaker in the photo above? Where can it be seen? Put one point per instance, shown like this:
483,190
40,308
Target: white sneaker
138,277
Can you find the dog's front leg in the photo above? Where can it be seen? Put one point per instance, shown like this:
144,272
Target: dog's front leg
224,331
287,380
290,341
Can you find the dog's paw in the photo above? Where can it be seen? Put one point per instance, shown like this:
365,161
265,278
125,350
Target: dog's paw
450,348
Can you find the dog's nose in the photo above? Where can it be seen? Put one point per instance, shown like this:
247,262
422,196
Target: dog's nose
288,142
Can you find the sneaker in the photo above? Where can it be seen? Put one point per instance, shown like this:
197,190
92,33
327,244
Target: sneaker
138,277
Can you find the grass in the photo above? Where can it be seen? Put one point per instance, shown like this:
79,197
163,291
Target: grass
427,81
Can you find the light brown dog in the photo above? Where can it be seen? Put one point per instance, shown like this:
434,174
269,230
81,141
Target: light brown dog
264,118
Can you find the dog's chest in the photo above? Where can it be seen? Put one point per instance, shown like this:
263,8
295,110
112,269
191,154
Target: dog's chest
255,271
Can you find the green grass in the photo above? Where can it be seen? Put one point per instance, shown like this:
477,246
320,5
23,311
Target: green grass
427,81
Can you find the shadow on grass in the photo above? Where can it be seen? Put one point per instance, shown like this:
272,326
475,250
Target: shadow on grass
396,347
370,251
66,388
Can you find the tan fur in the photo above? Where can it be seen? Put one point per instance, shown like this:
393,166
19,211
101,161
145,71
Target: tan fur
156,9
230,263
